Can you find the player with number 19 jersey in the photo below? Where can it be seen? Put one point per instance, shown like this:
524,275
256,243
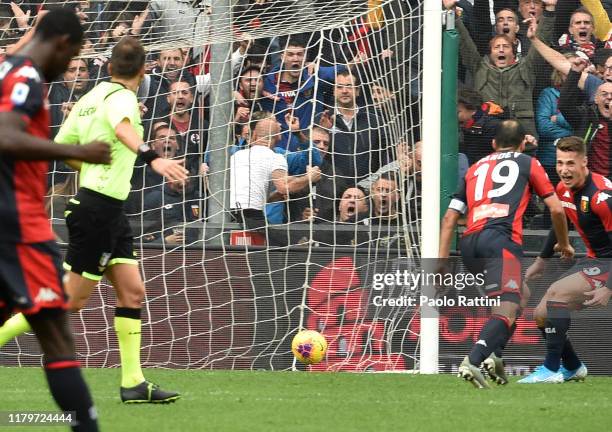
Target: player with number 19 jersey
496,190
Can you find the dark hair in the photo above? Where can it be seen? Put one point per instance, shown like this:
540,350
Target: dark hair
60,22
250,68
127,58
348,73
469,98
582,10
601,56
516,17
510,134
293,41
389,176
572,144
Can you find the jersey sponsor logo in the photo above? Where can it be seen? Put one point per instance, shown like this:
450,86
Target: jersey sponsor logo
566,194
46,295
28,72
568,205
550,330
20,93
84,112
602,196
584,204
495,210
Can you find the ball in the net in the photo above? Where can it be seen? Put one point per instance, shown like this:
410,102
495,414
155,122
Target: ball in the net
309,346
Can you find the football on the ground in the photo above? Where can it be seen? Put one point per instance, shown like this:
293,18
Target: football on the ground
309,346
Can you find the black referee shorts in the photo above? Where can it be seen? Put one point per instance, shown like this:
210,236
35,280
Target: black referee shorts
99,234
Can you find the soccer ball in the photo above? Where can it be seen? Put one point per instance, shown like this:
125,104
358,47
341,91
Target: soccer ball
309,346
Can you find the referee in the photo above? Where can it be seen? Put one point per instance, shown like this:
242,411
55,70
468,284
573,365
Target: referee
100,238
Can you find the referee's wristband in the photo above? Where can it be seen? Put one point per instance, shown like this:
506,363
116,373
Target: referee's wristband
147,153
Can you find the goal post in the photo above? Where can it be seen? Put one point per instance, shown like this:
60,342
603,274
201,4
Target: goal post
214,297
431,121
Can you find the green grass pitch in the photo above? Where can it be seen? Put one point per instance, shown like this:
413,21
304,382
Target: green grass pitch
300,401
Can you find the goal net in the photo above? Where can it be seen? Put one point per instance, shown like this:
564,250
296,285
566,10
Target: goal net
342,81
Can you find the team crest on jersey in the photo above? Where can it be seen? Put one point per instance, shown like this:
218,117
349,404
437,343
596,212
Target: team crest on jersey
584,204
602,196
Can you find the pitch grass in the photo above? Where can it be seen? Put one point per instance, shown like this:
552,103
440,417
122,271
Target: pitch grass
299,401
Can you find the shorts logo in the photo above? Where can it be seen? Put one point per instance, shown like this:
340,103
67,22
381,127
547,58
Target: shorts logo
46,295
104,259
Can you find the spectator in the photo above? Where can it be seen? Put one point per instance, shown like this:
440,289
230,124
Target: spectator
358,138
500,77
164,142
589,120
478,123
179,19
353,206
329,187
580,34
291,88
587,81
169,207
185,119
253,169
551,123
384,196
248,95
506,21
64,94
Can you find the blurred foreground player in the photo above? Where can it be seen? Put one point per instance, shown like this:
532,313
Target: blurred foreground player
100,237
30,271
586,198
494,193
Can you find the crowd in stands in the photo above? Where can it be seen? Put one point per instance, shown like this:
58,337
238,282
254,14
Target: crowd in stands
310,137
547,63
325,125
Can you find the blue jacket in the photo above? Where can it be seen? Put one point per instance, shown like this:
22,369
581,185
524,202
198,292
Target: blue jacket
296,165
304,102
548,130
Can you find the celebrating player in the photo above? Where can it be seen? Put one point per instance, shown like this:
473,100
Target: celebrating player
494,193
30,270
100,238
586,199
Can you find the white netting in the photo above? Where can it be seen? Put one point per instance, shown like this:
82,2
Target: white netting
350,74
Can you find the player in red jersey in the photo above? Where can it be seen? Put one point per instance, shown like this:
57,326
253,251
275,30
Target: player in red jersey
494,195
585,196
30,263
